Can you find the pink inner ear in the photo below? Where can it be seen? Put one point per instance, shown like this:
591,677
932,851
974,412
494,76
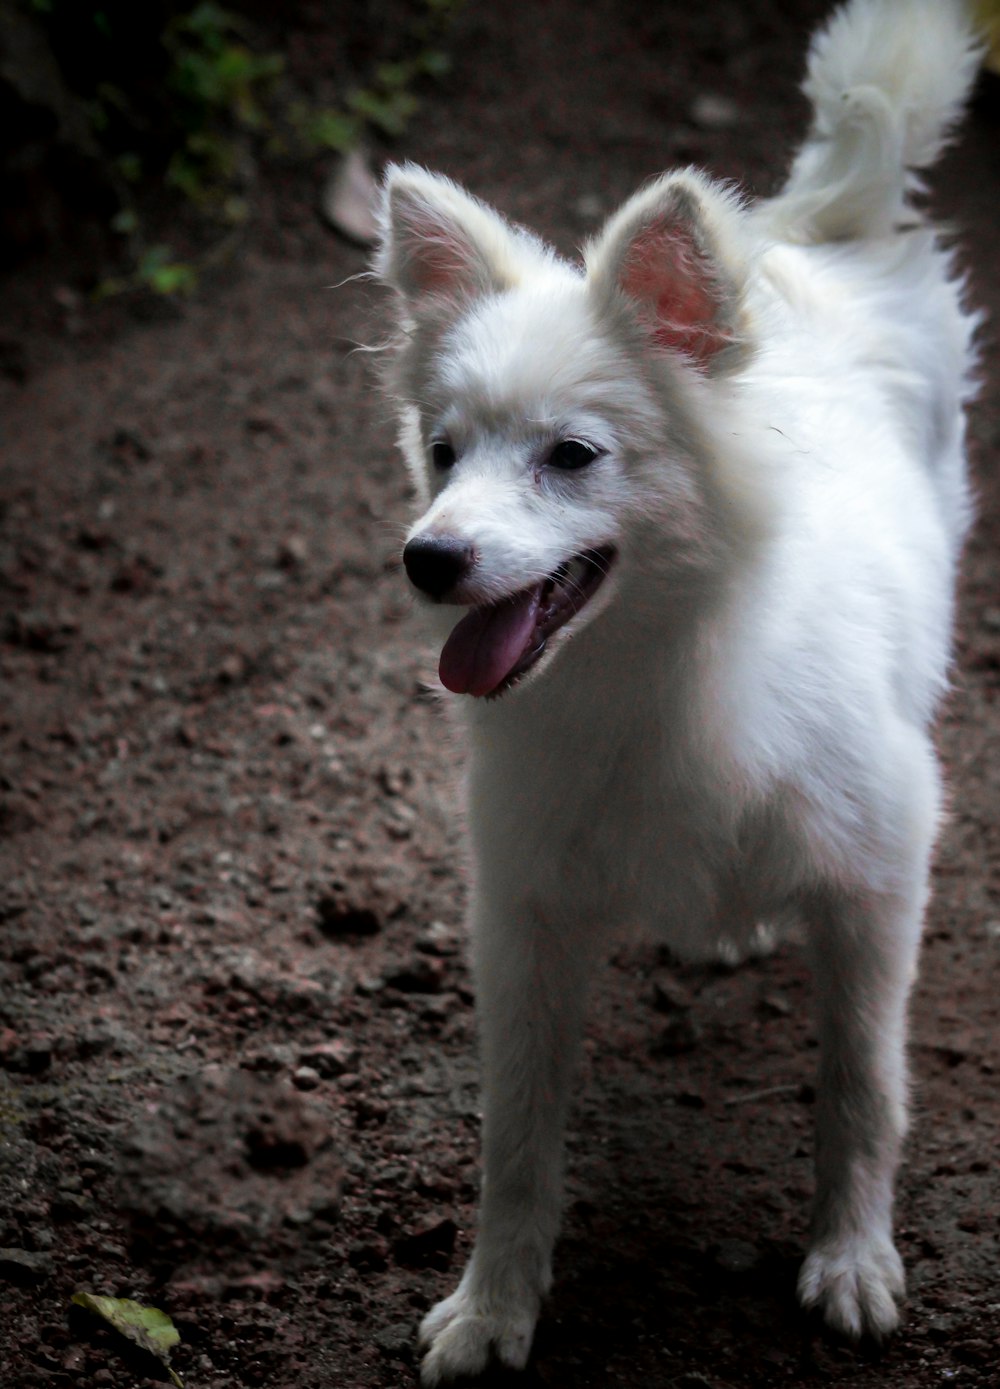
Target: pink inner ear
668,275
439,262
438,257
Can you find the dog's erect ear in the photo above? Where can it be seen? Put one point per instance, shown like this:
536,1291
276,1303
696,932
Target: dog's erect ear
440,246
674,250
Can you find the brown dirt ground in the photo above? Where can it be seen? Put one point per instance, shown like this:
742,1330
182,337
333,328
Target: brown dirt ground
237,1073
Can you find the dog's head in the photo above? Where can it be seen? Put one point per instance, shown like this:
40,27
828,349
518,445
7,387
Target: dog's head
553,414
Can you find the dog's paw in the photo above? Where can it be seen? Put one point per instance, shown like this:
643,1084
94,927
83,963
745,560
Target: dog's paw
856,1284
462,1334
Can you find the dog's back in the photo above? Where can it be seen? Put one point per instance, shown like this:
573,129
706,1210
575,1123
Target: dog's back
871,345
888,80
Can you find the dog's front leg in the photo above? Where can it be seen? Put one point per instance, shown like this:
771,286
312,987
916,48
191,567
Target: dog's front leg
865,957
530,982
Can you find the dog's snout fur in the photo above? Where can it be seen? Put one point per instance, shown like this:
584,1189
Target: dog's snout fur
436,563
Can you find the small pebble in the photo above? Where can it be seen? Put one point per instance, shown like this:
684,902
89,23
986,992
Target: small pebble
710,111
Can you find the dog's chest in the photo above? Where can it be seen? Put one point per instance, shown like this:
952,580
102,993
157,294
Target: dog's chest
629,832
668,859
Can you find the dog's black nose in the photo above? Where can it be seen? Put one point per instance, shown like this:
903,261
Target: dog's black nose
435,563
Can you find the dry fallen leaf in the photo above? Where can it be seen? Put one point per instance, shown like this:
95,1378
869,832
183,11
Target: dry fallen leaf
147,1327
350,198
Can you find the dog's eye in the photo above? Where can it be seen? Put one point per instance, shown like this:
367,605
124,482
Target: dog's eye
572,453
442,453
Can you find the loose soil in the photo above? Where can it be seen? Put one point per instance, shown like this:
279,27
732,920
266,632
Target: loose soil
237,1069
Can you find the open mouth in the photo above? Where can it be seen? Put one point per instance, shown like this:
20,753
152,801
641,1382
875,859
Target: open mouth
495,644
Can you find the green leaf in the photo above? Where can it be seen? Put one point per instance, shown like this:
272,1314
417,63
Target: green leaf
152,259
434,63
394,76
147,1327
328,129
109,287
389,114
177,278
130,166
125,221
210,22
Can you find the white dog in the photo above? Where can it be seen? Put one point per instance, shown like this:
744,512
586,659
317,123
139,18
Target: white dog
690,515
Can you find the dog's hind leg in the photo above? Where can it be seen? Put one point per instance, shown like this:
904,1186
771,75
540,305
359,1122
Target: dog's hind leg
531,977
865,947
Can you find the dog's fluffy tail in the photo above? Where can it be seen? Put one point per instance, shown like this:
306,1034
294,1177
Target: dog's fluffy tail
887,80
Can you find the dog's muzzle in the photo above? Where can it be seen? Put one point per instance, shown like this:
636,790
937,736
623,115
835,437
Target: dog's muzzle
436,563
496,643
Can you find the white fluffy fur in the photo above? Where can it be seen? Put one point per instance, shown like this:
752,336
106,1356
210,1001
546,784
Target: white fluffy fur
735,729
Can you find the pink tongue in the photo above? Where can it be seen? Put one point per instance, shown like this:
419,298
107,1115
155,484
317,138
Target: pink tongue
487,644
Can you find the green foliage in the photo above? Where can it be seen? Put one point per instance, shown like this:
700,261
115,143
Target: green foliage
222,88
156,269
389,111
213,71
323,128
388,102
183,95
